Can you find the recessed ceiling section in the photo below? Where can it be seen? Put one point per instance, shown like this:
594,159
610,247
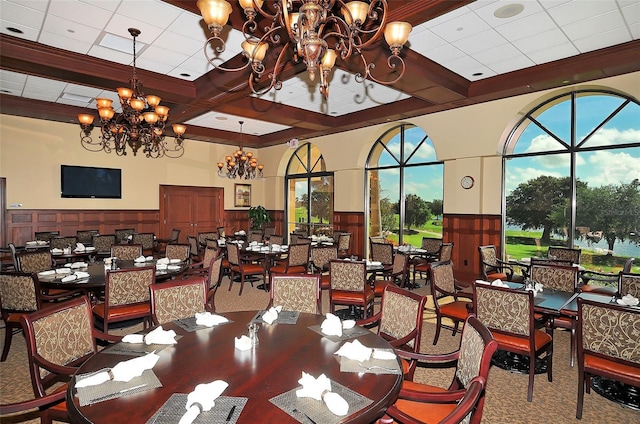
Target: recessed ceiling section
226,122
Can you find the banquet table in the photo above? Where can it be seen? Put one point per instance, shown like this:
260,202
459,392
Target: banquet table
261,374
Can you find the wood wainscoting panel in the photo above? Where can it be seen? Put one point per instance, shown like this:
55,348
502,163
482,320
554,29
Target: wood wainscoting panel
352,222
467,232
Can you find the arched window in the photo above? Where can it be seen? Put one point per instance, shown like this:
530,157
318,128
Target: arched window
572,178
309,192
405,185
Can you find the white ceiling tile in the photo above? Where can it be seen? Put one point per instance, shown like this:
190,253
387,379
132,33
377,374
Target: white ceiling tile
110,5
30,34
120,24
69,29
464,65
584,28
527,26
479,42
21,14
425,41
480,4
540,41
14,77
463,26
552,3
37,83
512,64
631,12
444,53
44,95
575,11
190,25
157,54
65,43
82,90
37,5
635,30
486,12
178,43
196,66
78,11
154,66
111,55
552,53
13,88
453,15
601,40
494,54
156,13
71,102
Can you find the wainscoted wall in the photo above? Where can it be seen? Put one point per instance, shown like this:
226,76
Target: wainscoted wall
352,222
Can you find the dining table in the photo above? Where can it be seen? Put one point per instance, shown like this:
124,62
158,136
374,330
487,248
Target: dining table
262,381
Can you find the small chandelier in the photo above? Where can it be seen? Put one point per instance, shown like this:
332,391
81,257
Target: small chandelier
240,164
140,124
314,31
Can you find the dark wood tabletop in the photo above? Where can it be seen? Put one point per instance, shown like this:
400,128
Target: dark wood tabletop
270,369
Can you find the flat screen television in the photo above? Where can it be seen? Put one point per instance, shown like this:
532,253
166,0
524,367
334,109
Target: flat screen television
90,183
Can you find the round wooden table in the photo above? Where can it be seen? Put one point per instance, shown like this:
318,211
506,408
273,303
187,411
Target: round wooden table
272,368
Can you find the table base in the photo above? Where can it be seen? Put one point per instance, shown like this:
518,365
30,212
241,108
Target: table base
351,313
617,392
517,363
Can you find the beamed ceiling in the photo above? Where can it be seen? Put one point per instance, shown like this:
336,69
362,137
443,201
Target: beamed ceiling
459,54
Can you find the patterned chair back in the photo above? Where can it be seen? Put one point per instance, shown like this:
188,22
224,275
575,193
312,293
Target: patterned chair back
269,231
294,238
86,236
276,239
488,258
299,254
344,242
256,235
175,236
477,347
215,271
295,292
562,278
128,286
147,240
212,244
348,275
209,255
442,279
203,237
61,334
504,310
177,299
233,254
446,250
178,251
103,243
431,245
122,234
382,252
126,252
31,262
18,293
194,249
400,263
629,284
401,317
564,254
221,233
322,256
63,242
46,235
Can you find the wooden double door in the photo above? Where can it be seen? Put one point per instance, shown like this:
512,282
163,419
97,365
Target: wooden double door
191,210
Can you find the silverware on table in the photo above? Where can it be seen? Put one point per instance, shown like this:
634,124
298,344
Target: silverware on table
297,411
230,415
116,394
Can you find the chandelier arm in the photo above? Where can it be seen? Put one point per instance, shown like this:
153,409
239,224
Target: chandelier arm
215,66
273,77
267,15
369,67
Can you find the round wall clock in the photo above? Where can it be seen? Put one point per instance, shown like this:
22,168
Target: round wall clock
467,182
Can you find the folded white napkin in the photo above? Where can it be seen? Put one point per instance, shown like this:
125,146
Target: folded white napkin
71,277
80,247
163,261
174,261
320,389
348,324
241,233
628,300
123,371
49,272
56,250
272,314
275,246
208,319
161,266
374,263
140,259
157,336
76,265
63,270
31,243
253,243
243,343
331,326
499,283
355,350
384,355
82,274
482,282
202,399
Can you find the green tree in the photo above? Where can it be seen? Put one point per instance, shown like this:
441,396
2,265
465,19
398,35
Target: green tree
436,207
321,201
416,211
387,215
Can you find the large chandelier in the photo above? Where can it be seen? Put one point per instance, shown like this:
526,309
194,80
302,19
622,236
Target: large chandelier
314,31
141,122
240,164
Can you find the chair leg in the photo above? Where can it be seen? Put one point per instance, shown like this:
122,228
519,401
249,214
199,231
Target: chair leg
241,284
8,336
581,389
532,374
573,342
437,335
231,275
455,328
550,362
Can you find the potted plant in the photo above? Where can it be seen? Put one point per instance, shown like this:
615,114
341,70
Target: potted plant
258,215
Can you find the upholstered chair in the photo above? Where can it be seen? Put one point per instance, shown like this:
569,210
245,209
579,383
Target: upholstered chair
34,261
146,240
42,403
383,253
194,249
494,268
344,244
421,265
349,286
204,236
178,251
122,235
297,260
45,235
103,244
242,269
126,252
63,242
320,258
448,303
214,278
126,296
397,275
431,245
177,299
422,403
510,317
564,254
295,292
255,235
629,283
276,239
86,236
607,345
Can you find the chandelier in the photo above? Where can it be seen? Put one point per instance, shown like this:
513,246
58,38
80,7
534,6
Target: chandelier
240,164
141,122
312,31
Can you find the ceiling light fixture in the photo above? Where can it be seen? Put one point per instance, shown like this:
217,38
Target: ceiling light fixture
240,164
313,31
140,124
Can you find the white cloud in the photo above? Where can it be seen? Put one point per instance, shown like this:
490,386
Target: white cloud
606,167
517,175
426,152
613,136
544,143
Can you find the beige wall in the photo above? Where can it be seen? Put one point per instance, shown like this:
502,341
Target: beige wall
469,140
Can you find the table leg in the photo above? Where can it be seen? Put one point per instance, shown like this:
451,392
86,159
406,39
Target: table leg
517,363
616,391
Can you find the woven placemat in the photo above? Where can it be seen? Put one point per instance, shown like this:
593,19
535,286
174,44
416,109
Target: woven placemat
115,389
136,349
316,409
284,317
174,408
189,324
371,366
351,333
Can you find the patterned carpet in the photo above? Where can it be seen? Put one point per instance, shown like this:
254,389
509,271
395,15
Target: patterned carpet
506,393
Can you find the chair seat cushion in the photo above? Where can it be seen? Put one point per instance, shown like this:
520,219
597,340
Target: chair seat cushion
248,269
379,286
604,290
521,344
278,269
125,312
497,276
425,412
356,298
325,282
457,310
601,366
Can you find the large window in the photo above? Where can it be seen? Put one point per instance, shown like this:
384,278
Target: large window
309,192
405,183
572,178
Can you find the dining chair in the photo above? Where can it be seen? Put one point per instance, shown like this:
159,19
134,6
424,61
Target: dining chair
269,231
344,244
295,292
447,300
276,239
202,267
214,278
297,261
160,243
45,235
177,299
103,244
146,240
494,268
38,261
421,265
86,236
629,283
604,283
63,242
206,235
255,235
423,403
56,351
509,315
194,249
320,258
243,269
178,251
564,253
383,253
122,235
126,252
608,345
397,275
399,321
126,296
222,234
42,404
349,286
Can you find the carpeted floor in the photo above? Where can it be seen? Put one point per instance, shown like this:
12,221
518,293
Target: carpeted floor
506,393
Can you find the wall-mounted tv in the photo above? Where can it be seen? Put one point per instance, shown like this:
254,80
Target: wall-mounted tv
90,183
